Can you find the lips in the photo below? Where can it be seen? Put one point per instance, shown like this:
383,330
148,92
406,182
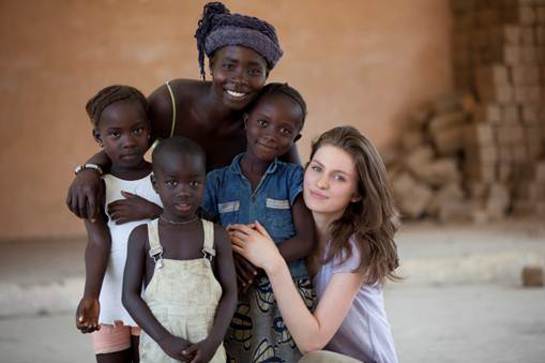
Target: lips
183,206
132,155
267,147
237,95
317,195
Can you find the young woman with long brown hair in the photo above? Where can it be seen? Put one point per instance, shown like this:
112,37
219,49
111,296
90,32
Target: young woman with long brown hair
346,189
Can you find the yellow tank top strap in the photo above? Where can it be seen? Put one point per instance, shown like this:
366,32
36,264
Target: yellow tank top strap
173,102
208,246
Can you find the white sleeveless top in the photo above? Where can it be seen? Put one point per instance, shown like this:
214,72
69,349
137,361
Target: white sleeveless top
111,308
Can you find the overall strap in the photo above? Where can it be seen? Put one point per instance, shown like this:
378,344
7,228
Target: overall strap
173,102
155,250
208,246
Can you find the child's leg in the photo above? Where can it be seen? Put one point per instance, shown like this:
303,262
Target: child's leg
135,342
117,357
112,344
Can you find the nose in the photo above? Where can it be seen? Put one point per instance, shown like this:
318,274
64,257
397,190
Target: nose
239,76
270,134
323,181
129,141
184,191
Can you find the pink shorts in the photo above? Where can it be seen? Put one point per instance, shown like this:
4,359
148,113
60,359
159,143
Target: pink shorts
113,338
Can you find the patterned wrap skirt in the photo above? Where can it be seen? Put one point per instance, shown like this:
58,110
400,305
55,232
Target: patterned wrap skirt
257,333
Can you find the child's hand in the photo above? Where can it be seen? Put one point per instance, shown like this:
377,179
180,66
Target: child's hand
87,315
246,272
173,346
132,208
200,352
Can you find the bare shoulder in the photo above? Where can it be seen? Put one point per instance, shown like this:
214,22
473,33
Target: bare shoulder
221,239
219,231
191,89
139,236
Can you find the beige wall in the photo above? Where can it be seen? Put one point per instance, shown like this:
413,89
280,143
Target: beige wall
363,63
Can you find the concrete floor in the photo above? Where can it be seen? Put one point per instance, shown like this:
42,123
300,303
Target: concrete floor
477,323
461,300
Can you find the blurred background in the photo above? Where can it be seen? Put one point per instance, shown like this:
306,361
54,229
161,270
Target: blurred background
450,91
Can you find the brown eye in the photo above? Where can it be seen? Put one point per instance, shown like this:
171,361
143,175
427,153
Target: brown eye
285,131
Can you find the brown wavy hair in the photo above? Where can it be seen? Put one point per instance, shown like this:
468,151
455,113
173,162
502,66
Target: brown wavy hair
372,219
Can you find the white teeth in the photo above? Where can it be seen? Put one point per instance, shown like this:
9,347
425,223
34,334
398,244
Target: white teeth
235,94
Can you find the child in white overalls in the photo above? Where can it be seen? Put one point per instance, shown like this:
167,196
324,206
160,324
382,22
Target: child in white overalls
186,264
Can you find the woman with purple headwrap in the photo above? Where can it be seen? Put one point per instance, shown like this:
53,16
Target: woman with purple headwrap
241,51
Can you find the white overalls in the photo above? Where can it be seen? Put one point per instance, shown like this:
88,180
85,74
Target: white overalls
183,296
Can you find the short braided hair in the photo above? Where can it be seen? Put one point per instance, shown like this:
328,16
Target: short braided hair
116,93
276,88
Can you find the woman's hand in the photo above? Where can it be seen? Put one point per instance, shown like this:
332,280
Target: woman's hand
132,208
85,196
254,243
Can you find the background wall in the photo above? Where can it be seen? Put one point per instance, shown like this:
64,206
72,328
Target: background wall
364,63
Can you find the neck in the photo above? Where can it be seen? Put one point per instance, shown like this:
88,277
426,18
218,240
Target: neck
216,110
252,166
133,172
172,219
322,222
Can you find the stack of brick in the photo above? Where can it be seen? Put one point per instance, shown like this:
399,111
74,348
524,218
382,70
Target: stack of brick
499,56
426,174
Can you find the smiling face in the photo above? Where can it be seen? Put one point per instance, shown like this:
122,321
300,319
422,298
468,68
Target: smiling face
331,182
272,126
179,181
238,73
123,131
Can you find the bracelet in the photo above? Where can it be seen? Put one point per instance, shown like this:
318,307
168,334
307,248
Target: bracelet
79,168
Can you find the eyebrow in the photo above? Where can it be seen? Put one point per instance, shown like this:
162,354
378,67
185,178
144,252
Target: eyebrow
234,60
334,170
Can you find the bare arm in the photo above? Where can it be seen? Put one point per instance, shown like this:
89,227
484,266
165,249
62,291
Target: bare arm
227,278
310,331
313,331
160,113
97,253
133,276
302,244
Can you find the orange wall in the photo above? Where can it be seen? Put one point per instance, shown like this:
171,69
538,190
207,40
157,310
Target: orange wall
363,63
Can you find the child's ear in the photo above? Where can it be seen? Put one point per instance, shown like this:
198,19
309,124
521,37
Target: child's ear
154,182
245,119
297,138
97,137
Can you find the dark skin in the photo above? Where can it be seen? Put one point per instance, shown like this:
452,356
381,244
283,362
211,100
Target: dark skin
209,113
179,181
123,133
272,127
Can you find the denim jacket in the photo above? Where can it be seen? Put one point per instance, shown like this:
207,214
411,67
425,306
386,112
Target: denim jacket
228,199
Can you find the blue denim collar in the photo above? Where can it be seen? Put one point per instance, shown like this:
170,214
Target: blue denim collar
235,165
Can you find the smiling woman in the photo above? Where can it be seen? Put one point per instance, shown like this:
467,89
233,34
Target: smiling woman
346,189
242,50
